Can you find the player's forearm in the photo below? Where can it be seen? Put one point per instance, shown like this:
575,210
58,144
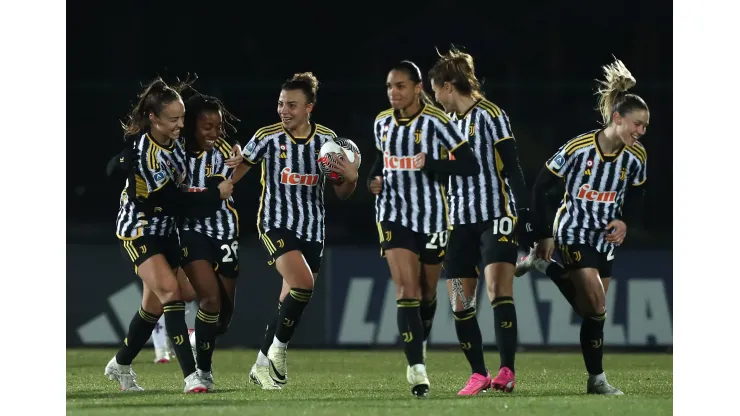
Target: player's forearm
542,217
240,171
464,163
512,169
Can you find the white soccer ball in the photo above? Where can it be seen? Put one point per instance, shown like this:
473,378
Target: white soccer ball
343,148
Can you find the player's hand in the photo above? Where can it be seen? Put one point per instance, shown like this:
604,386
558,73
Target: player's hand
419,160
544,248
376,185
236,157
226,188
619,231
339,164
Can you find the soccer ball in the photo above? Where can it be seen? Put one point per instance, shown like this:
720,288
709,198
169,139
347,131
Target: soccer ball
343,148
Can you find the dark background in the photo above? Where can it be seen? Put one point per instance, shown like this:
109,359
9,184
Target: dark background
539,62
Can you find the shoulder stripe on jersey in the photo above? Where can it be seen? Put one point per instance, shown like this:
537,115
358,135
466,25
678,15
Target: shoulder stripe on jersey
435,112
579,147
577,142
490,107
264,131
325,130
384,113
151,158
640,153
224,148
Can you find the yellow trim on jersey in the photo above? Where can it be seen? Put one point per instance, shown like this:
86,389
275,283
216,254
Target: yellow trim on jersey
224,147
325,130
151,161
499,168
447,209
557,215
574,149
502,139
139,233
491,108
576,142
436,112
306,140
468,112
408,121
131,250
640,183
166,149
267,130
236,214
262,198
639,153
553,172
384,113
141,189
598,150
457,146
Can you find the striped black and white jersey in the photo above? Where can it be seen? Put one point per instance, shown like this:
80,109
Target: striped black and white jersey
156,169
292,184
411,197
595,186
223,224
487,195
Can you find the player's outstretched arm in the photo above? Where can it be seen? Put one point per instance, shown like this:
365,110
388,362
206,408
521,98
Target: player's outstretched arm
464,163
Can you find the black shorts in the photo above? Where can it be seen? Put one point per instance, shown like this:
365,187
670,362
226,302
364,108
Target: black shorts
429,247
140,249
223,255
493,241
279,241
582,256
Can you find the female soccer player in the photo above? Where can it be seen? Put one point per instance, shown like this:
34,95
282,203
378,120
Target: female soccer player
146,223
411,205
484,211
209,238
291,215
598,167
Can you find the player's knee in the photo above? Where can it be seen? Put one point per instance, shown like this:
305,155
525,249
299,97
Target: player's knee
210,303
596,304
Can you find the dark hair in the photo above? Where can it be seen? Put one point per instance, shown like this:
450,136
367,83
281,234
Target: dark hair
458,69
414,74
199,103
306,82
613,95
155,96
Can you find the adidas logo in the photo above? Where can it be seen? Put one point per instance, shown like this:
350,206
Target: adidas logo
124,303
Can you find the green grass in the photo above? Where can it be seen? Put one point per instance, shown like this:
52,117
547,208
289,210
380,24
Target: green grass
371,383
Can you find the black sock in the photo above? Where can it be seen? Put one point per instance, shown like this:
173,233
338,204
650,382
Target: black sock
177,330
411,330
270,332
471,340
556,273
592,343
226,312
427,309
205,337
504,318
139,331
291,312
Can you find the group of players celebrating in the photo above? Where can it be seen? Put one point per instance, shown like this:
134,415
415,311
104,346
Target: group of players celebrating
450,197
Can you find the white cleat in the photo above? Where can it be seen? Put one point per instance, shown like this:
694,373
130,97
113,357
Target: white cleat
194,384
207,378
278,364
529,262
124,374
162,356
603,387
416,375
260,375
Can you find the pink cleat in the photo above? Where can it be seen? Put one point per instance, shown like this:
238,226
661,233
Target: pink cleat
476,384
504,380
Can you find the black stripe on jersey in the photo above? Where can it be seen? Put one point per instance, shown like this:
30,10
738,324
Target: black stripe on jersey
638,151
491,108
